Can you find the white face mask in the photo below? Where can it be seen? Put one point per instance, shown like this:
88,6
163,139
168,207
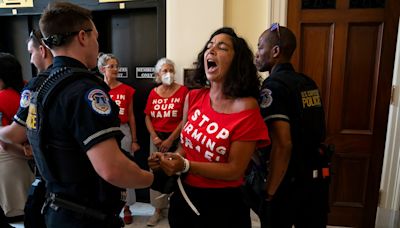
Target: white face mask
167,78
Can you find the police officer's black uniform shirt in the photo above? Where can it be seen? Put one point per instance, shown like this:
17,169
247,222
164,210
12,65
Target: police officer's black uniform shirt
279,102
275,99
26,95
79,116
83,110
276,102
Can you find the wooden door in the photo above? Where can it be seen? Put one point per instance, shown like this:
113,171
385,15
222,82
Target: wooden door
347,46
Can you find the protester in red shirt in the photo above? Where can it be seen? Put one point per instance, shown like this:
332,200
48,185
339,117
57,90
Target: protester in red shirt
163,111
15,174
222,126
122,95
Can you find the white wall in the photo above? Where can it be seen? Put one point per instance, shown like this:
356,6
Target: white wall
248,18
189,25
191,22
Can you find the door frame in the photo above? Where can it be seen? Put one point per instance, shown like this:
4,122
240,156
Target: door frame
389,205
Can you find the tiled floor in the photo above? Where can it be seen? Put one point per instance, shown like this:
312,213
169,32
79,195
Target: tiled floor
143,211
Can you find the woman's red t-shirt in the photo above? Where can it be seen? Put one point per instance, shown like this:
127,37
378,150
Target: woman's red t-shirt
122,95
9,103
166,112
207,135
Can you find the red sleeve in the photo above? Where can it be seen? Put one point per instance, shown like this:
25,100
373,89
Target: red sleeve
194,95
252,128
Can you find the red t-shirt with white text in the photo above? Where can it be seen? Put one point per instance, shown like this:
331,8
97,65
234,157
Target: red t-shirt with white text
207,135
122,95
166,112
9,103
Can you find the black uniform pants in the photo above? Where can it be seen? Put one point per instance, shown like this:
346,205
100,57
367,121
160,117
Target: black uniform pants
64,218
302,204
34,204
219,208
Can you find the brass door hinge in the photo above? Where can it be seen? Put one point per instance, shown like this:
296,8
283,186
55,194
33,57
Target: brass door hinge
393,94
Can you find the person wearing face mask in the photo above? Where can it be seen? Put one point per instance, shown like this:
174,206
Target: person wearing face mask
163,111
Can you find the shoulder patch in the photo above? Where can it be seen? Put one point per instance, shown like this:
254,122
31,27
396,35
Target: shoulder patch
25,100
266,98
99,101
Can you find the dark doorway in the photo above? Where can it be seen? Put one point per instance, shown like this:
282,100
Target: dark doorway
134,38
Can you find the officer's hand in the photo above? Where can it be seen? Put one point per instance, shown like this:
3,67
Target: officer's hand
172,163
154,160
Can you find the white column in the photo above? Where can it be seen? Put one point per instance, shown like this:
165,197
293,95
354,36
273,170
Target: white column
277,11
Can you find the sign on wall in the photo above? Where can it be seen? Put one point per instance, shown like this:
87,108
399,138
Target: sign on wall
16,3
144,72
105,1
122,72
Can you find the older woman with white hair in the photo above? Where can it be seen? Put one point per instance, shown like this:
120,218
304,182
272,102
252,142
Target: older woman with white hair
163,111
122,94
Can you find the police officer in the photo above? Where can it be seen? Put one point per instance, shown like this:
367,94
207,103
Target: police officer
297,182
73,128
42,59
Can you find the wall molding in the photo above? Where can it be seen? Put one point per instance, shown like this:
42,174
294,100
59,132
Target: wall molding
277,11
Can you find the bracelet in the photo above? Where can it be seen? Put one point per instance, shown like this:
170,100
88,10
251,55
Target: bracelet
186,165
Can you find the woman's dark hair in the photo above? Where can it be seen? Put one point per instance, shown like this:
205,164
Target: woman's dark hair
242,78
11,72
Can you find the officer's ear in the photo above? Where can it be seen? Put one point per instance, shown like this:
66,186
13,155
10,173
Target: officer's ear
276,51
42,51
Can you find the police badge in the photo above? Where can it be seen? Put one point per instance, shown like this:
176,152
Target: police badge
99,101
266,98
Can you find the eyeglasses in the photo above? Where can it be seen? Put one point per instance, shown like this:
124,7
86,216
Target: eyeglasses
275,27
36,36
111,66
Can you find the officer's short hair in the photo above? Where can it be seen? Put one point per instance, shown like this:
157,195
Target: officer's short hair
61,19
